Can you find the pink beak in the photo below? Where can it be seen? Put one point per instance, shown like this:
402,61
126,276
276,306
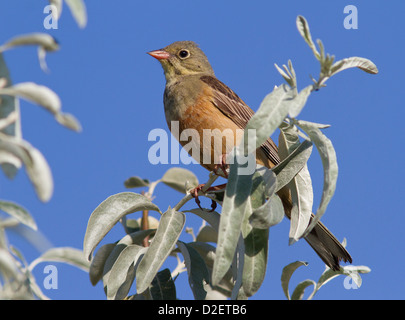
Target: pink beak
159,54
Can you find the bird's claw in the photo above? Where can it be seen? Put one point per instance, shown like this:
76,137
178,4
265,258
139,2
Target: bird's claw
223,166
194,193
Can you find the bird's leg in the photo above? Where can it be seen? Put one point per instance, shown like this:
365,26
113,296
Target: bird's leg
222,165
194,193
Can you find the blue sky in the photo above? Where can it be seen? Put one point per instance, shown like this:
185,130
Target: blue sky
104,78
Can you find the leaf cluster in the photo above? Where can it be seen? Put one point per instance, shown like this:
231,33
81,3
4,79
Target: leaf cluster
16,277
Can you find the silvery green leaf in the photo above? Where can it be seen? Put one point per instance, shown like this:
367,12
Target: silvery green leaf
9,110
44,41
299,290
78,9
272,111
289,167
287,274
207,234
170,227
98,262
351,271
177,178
37,39
68,121
136,182
197,271
110,261
35,163
35,93
255,260
18,212
303,28
234,206
300,186
8,266
285,75
127,259
299,101
268,215
68,255
265,214
302,198
44,97
108,213
263,186
288,74
353,62
330,167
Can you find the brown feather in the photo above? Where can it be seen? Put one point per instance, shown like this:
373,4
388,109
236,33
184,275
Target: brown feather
229,103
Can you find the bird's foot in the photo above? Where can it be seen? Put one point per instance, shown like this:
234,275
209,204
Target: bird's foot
194,192
223,166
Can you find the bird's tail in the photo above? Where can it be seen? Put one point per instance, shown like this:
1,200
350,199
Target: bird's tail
328,248
325,244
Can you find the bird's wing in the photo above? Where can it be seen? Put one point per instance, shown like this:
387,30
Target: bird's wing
229,103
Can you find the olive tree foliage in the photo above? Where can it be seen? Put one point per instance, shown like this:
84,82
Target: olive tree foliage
228,256
16,277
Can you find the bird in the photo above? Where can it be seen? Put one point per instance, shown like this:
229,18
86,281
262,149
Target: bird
195,100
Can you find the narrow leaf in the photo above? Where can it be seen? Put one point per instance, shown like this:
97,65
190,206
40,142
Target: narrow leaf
8,265
268,215
330,167
35,93
299,101
197,270
300,186
287,274
18,212
9,105
353,62
127,259
255,260
303,28
68,255
352,271
289,167
37,39
272,111
98,262
78,9
44,97
35,163
265,214
68,121
108,213
170,226
234,207
299,290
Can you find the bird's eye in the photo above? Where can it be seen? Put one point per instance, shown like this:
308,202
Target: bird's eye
184,53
